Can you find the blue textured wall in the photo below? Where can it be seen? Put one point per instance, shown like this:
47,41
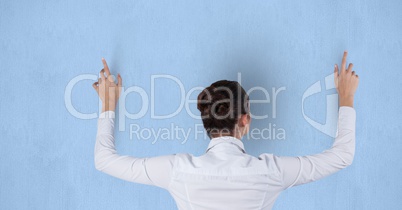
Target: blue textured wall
46,154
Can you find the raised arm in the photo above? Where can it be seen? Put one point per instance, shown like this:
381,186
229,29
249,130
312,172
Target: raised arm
152,171
304,169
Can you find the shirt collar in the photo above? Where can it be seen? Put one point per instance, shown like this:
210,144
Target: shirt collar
224,140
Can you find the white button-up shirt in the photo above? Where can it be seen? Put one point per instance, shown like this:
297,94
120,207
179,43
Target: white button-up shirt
225,177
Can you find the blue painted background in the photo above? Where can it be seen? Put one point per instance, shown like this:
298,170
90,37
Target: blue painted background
46,154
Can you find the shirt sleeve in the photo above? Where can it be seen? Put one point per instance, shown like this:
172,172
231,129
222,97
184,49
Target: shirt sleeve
151,171
304,169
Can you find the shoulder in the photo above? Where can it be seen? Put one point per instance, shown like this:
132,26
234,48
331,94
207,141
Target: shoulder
183,160
268,157
183,157
271,161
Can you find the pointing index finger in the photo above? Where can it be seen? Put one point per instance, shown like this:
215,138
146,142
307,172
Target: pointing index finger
345,54
105,67
119,80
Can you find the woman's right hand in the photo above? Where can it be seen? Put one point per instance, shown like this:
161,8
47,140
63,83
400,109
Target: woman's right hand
107,89
346,82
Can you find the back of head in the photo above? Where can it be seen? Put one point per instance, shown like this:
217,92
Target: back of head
221,104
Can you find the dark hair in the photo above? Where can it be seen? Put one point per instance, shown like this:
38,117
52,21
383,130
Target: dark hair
221,104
